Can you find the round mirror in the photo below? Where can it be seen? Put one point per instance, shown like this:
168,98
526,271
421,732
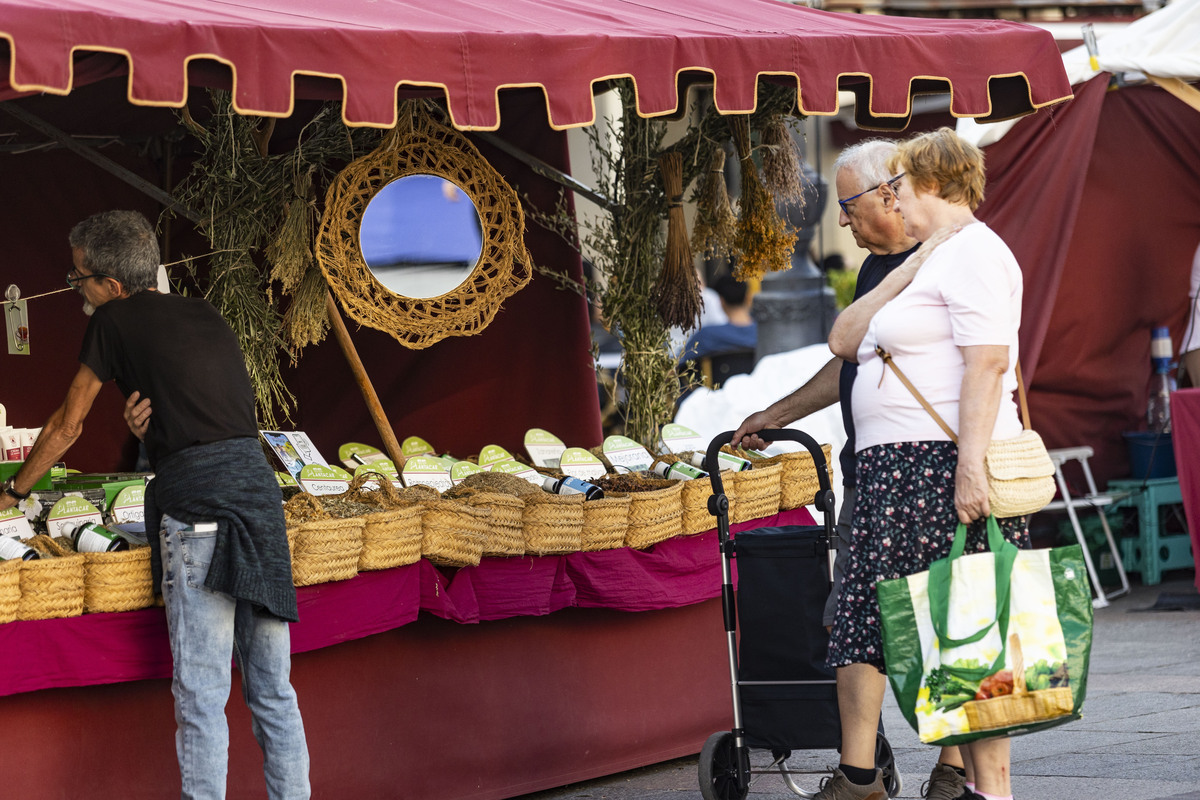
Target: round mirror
421,236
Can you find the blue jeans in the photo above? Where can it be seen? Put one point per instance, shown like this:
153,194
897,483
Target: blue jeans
206,628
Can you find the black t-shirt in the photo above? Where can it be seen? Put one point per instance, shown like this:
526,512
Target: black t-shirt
870,274
179,352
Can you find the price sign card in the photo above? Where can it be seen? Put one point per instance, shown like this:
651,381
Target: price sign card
69,513
127,505
579,463
493,454
13,523
513,467
677,438
427,471
385,467
317,479
461,469
416,446
623,452
544,448
355,454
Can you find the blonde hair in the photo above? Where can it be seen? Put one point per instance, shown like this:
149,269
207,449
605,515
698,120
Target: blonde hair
942,163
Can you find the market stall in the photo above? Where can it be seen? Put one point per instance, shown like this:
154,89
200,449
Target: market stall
579,666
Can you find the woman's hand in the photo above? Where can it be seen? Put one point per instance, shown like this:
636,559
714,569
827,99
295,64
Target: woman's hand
971,492
137,414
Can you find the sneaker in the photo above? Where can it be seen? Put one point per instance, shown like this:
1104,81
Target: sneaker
945,784
838,787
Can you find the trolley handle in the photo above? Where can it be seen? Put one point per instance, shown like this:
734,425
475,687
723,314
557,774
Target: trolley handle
824,501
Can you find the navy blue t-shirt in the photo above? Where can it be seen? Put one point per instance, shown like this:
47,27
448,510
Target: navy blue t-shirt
870,275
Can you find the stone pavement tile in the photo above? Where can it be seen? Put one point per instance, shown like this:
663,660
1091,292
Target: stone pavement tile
1060,788
1109,766
1072,739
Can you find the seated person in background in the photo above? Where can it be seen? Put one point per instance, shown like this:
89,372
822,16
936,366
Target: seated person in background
739,333
1189,348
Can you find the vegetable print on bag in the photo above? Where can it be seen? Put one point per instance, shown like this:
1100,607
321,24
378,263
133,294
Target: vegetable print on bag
991,643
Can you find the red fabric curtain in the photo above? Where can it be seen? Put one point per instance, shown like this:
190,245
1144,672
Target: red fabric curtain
1101,204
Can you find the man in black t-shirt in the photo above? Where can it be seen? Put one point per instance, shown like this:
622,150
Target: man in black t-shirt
214,513
868,208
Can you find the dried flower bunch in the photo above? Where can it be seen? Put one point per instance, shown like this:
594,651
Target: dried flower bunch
677,292
782,172
763,242
714,228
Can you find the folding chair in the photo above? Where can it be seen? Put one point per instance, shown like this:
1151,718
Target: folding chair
1095,500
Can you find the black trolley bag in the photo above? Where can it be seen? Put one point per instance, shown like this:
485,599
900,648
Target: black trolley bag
784,697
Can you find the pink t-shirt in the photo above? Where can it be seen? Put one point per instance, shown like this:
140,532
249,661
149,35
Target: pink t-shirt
967,293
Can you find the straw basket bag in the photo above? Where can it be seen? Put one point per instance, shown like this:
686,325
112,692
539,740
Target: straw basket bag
553,523
656,514
10,589
693,497
51,586
454,532
757,491
798,482
605,522
117,581
323,549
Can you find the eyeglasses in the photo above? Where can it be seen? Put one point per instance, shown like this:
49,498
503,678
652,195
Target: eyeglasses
74,280
890,183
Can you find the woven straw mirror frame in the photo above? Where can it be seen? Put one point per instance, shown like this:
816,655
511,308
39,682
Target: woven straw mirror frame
419,145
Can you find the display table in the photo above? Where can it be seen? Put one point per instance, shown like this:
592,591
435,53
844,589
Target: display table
1185,424
558,681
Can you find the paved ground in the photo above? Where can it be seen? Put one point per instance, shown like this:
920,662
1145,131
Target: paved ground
1139,738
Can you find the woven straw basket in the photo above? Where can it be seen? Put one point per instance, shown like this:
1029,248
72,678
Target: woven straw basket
506,527
10,589
694,497
655,515
605,522
757,491
118,581
799,483
325,550
391,537
1022,706
51,586
454,532
553,523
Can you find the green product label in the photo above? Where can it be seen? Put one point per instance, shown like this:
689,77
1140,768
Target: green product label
284,479
352,454
385,466
319,480
676,438
462,469
127,505
513,467
427,471
70,512
14,524
621,451
544,448
416,446
493,454
581,464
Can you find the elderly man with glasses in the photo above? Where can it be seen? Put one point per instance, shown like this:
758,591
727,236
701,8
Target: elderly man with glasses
213,511
868,207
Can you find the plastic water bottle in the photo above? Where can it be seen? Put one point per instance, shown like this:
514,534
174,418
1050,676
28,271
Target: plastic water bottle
1158,404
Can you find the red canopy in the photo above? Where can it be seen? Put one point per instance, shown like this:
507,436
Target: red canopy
471,49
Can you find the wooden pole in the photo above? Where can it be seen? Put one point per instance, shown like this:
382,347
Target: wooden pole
364,382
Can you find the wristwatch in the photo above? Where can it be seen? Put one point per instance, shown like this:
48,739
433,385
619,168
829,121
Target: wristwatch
12,492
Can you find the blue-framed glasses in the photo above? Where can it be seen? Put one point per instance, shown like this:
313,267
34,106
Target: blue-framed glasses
890,183
74,280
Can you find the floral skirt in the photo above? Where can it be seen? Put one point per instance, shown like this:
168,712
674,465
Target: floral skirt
904,520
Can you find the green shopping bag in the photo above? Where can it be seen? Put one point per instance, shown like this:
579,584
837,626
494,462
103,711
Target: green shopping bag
988,644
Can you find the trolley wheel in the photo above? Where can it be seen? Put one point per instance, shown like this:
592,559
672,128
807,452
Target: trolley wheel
885,761
723,775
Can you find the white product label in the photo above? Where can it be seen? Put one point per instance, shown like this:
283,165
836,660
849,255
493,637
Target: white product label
128,505
514,467
678,438
544,448
581,464
493,454
14,524
69,513
10,548
427,471
321,480
621,451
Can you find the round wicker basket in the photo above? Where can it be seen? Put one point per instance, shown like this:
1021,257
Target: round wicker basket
655,515
51,586
10,590
553,523
605,522
118,581
454,532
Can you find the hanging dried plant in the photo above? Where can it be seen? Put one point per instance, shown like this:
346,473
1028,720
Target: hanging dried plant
714,228
763,243
781,162
677,291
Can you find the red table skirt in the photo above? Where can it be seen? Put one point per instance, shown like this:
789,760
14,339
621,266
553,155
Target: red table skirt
1185,425
112,648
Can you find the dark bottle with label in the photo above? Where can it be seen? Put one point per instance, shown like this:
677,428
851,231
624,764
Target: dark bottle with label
12,548
92,538
571,485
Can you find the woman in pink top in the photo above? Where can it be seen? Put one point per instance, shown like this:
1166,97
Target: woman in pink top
953,331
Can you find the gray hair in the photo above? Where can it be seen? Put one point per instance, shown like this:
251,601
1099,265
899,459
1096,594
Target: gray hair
120,244
867,161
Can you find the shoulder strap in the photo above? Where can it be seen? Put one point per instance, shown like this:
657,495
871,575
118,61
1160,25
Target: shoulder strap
887,359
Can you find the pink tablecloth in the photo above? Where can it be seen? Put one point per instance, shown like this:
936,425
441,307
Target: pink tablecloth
1185,437
111,648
